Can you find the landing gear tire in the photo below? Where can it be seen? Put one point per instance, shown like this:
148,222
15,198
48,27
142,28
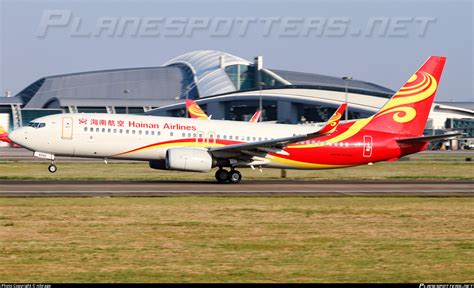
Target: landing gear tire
234,176
52,168
222,175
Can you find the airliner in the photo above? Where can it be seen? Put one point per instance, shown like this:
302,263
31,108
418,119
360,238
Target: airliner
186,144
196,112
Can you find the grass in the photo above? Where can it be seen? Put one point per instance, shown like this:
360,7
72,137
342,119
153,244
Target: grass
419,166
233,239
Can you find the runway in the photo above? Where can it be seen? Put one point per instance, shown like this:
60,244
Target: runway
245,188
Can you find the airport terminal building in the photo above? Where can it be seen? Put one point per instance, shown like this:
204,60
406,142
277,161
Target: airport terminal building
224,85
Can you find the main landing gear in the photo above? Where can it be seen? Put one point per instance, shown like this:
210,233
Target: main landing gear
52,168
233,176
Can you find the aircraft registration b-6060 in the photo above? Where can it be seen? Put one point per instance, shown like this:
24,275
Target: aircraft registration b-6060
186,144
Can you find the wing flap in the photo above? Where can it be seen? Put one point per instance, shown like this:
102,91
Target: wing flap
276,145
427,138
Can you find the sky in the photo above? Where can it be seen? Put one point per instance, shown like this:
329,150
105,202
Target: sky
379,41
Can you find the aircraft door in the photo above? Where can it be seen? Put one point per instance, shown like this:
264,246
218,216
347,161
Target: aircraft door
67,128
367,146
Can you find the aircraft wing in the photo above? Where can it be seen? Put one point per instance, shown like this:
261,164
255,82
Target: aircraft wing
262,148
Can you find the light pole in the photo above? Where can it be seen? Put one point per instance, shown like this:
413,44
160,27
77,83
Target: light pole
260,100
346,79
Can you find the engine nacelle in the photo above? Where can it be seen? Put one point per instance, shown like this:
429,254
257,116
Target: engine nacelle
188,159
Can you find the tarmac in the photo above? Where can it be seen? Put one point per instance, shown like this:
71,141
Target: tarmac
245,188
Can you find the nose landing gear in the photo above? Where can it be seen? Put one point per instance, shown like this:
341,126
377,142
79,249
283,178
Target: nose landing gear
233,176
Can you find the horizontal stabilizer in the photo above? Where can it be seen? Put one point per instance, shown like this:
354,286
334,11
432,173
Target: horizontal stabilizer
427,138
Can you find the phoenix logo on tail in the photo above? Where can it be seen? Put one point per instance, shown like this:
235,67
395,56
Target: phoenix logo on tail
196,112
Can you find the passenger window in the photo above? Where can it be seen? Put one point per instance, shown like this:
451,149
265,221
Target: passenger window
171,133
96,129
230,137
146,132
254,139
152,132
115,130
140,132
85,129
127,131
109,130
121,131
183,135
133,132
225,137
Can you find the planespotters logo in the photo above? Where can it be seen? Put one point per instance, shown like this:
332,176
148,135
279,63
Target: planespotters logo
71,24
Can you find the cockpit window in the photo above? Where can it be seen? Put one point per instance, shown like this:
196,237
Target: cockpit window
37,125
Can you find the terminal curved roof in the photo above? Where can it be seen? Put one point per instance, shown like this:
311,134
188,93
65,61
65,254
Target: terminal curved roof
197,74
330,82
209,77
153,86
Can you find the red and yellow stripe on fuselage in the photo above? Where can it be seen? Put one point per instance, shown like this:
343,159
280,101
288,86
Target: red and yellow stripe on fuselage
325,152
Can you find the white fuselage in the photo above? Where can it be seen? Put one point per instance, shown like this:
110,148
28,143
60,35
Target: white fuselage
137,137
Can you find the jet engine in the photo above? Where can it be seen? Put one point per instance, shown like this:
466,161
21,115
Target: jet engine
189,159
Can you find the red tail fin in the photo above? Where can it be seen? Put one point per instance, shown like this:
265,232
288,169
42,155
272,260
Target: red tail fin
332,123
407,111
4,135
195,111
256,116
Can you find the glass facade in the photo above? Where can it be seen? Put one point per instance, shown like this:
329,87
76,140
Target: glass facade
244,77
244,110
28,115
129,110
91,109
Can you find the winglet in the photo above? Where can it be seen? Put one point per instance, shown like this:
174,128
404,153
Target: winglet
195,111
332,123
256,116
